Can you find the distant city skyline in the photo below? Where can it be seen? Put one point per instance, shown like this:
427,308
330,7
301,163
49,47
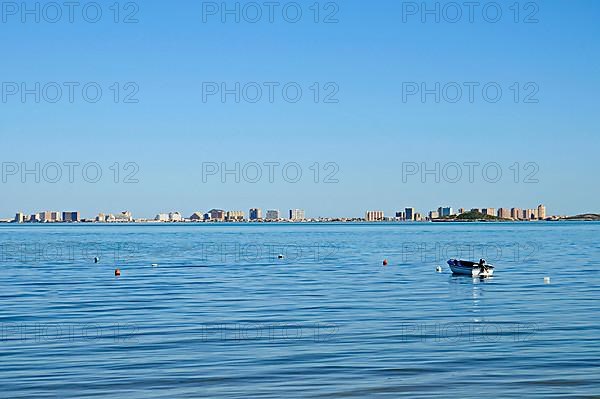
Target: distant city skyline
256,214
89,198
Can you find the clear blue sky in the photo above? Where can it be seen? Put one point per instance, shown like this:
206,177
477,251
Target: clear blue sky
369,133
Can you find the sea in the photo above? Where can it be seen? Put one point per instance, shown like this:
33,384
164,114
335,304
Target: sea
299,311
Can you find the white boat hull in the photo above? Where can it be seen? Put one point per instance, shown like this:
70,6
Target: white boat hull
473,271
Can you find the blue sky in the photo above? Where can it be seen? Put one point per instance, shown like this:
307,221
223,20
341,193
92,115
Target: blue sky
369,55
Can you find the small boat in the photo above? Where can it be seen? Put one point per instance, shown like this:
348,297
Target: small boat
470,268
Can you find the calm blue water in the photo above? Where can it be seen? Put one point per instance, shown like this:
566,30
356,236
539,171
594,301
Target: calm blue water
223,316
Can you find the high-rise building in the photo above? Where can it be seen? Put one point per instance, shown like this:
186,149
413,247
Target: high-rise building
175,217
434,215
197,217
489,211
461,211
418,217
71,217
541,212
272,214
400,215
125,216
445,212
217,215
44,217
20,217
255,214
516,213
49,217
162,217
504,213
409,214
374,216
297,215
235,216
530,214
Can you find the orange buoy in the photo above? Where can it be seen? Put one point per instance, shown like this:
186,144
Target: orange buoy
385,262
117,272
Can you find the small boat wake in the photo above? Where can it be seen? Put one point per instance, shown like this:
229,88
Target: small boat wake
466,268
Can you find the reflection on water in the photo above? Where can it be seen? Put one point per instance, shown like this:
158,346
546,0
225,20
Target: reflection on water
466,289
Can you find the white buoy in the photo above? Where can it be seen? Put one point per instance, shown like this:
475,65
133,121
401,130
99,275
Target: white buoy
96,259
546,280
280,256
438,269
155,265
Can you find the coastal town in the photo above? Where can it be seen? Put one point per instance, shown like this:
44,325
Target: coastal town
256,215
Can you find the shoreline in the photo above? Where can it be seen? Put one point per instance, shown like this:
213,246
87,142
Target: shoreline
338,222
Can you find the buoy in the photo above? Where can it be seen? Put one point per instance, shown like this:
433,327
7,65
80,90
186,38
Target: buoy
117,272
385,262
438,269
96,259
280,256
546,280
155,265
